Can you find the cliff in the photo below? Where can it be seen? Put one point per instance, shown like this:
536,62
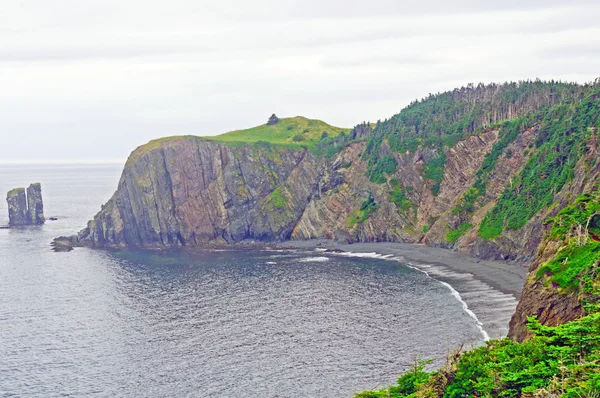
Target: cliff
479,170
189,191
183,191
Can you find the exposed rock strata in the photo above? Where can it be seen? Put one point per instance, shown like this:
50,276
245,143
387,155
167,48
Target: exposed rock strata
189,191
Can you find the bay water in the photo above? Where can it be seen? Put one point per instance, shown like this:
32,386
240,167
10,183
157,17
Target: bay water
220,323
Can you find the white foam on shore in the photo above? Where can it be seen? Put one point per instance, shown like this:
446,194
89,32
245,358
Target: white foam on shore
466,309
453,291
314,259
365,255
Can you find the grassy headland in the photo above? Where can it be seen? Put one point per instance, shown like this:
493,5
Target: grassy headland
293,131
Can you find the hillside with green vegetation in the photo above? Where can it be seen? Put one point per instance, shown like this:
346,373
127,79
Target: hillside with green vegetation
564,131
562,361
441,120
293,131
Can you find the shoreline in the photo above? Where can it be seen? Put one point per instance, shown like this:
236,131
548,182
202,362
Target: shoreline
507,278
488,291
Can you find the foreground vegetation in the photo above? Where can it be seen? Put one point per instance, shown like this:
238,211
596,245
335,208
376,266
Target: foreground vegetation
561,361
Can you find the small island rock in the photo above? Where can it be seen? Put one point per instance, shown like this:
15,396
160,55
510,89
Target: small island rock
17,207
25,207
35,205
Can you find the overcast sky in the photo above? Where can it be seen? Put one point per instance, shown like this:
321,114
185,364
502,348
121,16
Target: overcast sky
92,80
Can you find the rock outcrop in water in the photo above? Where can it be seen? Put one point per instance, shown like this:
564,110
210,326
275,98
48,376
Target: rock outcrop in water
26,207
35,204
17,207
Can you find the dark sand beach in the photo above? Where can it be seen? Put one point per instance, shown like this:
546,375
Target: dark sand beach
503,276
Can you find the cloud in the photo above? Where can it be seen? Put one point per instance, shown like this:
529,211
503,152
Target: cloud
588,46
394,60
107,76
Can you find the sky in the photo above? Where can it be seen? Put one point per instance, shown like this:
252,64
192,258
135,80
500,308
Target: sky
89,81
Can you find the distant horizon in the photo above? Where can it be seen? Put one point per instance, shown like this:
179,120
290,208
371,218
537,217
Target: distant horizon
58,162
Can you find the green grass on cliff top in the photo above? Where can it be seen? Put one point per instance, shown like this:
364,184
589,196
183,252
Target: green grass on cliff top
293,131
307,132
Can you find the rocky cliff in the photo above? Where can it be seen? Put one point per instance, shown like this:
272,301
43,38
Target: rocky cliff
515,157
189,191
183,191
552,304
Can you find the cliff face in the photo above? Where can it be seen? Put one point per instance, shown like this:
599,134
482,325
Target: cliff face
188,191
541,297
184,191
35,205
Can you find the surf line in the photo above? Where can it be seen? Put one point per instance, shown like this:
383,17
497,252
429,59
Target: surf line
453,291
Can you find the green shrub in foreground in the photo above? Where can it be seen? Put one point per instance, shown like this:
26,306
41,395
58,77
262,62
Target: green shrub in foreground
562,361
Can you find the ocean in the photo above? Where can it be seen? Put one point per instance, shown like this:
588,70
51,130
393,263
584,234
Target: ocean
229,323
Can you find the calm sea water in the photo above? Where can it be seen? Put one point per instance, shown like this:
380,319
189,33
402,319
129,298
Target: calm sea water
216,324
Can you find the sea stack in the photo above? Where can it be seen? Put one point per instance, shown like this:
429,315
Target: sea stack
26,208
35,205
17,207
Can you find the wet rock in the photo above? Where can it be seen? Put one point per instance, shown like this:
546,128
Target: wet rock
65,243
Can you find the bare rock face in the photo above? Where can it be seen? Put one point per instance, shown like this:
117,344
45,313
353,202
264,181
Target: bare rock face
17,207
26,208
187,191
